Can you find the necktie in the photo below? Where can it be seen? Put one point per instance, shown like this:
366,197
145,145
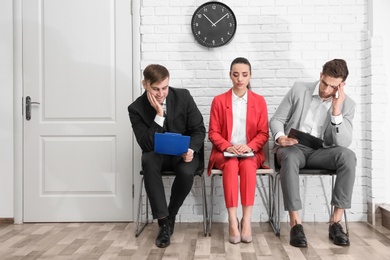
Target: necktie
165,109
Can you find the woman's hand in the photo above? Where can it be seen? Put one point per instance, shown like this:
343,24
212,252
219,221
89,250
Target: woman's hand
239,149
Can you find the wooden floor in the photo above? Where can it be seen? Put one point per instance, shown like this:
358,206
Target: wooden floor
117,241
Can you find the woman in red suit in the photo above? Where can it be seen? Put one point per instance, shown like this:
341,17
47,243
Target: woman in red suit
238,125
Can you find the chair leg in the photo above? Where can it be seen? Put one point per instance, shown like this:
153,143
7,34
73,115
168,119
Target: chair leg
266,201
346,223
205,215
275,214
212,204
140,228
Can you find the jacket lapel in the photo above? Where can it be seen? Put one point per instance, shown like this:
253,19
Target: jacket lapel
249,113
307,96
170,104
229,114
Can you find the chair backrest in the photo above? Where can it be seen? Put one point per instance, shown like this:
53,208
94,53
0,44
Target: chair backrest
200,169
266,154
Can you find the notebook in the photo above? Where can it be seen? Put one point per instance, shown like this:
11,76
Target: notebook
306,139
171,143
227,154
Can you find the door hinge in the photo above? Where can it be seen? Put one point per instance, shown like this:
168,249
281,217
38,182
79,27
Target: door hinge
133,191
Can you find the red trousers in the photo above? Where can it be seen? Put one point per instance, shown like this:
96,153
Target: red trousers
231,168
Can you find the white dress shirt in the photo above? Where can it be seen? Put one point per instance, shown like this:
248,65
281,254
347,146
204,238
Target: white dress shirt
239,119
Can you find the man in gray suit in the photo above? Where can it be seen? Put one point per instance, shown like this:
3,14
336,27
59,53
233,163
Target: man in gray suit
323,110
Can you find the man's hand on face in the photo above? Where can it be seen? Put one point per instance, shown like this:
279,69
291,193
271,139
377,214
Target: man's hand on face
338,100
155,104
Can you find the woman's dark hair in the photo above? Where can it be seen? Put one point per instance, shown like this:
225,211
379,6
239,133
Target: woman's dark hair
155,73
241,60
336,68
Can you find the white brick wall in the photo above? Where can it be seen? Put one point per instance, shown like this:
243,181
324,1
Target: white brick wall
285,41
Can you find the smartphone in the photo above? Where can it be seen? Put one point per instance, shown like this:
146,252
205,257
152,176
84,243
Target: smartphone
336,95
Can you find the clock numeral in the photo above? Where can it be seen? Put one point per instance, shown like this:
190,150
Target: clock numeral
198,32
196,24
228,33
205,10
199,16
228,16
222,39
223,9
205,38
214,7
230,24
213,42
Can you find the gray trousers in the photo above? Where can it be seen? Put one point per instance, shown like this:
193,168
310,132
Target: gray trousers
292,158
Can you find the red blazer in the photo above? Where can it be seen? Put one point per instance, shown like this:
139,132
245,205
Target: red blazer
221,124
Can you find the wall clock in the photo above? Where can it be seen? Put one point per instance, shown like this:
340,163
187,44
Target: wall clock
213,24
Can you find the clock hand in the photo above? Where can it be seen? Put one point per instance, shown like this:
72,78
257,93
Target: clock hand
212,24
220,19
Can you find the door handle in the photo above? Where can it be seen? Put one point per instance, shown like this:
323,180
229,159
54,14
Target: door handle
28,107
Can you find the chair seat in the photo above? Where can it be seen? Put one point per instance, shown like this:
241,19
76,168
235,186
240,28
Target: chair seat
172,173
258,171
316,171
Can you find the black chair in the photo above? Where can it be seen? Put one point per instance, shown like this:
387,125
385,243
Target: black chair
267,201
199,172
304,171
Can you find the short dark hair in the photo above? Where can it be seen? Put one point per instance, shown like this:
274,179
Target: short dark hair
242,60
336,68
155,73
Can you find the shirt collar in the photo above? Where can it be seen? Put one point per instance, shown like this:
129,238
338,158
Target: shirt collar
237,98
316,93
317,90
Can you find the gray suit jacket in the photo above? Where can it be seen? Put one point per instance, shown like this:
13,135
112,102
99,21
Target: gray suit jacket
292,111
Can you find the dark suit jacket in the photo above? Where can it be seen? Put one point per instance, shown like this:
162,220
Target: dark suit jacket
183,116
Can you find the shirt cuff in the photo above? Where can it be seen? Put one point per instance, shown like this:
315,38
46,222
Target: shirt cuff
279,134
159,120
336,120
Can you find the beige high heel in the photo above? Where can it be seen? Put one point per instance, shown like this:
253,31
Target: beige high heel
235,239
245,239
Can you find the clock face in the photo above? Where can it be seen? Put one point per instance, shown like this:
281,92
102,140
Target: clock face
213,24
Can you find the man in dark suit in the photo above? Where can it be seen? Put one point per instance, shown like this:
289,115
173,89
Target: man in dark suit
165,109
322,109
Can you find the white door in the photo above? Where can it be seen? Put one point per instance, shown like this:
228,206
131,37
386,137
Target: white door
77,143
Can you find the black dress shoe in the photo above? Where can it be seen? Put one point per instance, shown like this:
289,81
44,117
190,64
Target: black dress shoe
337,234
164,233
297,236
172,220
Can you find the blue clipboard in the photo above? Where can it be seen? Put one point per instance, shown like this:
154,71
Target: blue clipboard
171,143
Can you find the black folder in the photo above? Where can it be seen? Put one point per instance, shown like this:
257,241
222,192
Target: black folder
306,139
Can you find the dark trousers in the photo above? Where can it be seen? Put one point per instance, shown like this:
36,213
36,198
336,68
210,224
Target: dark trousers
152,165
292,158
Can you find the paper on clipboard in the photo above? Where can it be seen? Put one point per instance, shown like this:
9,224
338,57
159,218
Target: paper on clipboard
171,143
227,154
306,139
